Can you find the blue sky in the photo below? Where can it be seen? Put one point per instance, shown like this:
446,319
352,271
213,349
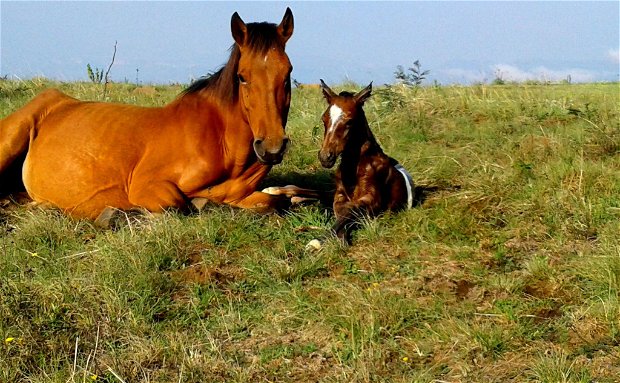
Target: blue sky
460,42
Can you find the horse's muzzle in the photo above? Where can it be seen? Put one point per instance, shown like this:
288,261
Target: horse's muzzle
270,156
328,159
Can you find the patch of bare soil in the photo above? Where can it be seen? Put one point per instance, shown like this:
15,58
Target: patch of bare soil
298,363
197,272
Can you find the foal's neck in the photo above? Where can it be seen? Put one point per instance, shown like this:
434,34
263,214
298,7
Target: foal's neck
361,143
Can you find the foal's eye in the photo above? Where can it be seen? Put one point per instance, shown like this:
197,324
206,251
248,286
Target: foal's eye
241,78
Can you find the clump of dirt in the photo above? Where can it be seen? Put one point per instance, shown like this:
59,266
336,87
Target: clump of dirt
202,274
463,287
197,272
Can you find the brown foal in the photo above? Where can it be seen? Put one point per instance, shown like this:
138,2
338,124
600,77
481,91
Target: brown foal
368,182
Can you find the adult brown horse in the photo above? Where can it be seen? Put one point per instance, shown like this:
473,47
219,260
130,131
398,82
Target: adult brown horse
216,141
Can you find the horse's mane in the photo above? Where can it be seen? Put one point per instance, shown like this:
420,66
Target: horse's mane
224,83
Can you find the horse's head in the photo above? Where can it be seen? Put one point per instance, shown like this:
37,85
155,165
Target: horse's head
263,75
339,120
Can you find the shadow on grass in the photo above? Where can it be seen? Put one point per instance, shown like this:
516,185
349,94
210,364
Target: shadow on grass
11,178
323,182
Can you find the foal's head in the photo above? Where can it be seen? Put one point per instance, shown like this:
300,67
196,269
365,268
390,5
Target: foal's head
342,119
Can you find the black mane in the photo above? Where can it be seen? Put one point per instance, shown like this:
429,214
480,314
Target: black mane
224,83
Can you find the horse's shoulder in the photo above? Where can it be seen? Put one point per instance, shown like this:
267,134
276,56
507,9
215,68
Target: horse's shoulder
379,162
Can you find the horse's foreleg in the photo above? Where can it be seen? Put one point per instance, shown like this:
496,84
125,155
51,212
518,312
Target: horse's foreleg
346,222
240,194
348,213
263,202
156,196
295,193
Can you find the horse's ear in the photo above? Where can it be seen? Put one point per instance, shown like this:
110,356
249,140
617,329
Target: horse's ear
327,92
363,94
285,29
238,28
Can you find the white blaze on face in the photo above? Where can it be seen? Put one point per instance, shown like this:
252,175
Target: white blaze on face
335,114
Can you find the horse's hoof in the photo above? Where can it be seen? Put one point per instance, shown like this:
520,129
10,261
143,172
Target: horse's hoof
199,203
300,200
273,190
104,220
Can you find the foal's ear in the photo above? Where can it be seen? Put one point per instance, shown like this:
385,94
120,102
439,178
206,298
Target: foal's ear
285,29
239,29
363,95
327,92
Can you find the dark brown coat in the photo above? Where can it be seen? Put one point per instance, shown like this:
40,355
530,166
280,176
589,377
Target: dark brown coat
368,182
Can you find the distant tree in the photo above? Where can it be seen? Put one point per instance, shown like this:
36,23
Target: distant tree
499,78
415,74
95,76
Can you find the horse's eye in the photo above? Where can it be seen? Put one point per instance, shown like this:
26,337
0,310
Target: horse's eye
287,82
241,78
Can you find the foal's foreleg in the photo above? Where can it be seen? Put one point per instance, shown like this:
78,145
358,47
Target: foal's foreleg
346,221
348,214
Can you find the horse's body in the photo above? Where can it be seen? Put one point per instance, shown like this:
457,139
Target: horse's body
216,141
368,182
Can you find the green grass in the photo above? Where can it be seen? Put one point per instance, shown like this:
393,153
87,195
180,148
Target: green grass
509,270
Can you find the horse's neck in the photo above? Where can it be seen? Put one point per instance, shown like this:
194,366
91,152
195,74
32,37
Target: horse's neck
222,119
360,145
361,141
237,135
213,112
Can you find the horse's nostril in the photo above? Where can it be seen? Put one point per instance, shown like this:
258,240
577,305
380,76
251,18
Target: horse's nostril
327,158
259,148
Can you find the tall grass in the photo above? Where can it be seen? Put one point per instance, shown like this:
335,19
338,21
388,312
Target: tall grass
508,270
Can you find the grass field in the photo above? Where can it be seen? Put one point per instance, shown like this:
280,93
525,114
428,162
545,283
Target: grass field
507,271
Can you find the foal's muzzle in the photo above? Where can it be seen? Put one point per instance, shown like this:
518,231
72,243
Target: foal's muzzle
328,159
270,156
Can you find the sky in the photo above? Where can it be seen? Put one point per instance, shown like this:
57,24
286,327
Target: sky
175,42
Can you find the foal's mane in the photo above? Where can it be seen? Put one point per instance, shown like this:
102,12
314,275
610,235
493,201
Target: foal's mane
365,136
223,84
